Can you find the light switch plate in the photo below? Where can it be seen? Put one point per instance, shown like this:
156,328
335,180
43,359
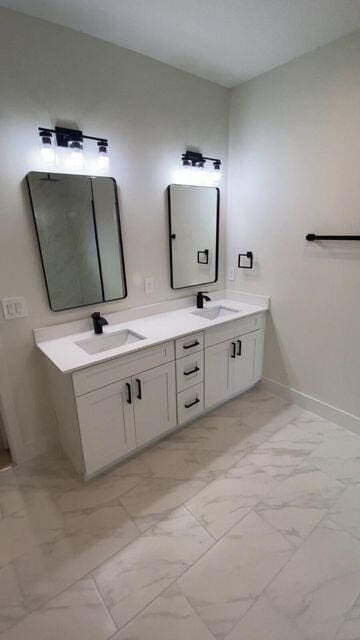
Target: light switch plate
149,285
231,274
14,308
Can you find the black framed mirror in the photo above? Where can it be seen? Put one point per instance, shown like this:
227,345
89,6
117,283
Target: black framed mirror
193,235
78,229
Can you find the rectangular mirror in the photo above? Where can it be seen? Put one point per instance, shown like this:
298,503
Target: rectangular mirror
194,234
78,230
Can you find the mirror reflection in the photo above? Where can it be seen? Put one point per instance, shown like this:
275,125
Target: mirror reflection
78,229
194,234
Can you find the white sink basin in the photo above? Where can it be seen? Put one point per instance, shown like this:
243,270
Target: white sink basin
211,313
108,341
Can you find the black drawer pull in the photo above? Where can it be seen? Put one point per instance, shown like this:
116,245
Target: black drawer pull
233,355
239,347
139,396
128,385
192,404
188,373
190,346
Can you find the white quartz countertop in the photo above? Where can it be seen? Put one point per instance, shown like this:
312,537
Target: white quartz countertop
67,356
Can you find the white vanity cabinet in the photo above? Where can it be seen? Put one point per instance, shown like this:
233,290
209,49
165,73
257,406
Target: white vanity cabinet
108,410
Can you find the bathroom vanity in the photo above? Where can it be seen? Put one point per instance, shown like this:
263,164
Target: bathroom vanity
116,393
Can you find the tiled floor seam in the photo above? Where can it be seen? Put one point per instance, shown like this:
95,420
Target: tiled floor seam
102,600
88,574
159,594
201,524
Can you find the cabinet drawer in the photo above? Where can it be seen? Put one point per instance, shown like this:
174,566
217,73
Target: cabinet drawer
232,329
190,403
100,375
189,344
189,370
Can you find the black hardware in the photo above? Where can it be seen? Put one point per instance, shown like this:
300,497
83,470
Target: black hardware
188,373
200,297
239,347
187,406
196,159
173,236
312,237
128,385
65,135
139,395
233,355
249,256
205,259
98,321
190,346
172,245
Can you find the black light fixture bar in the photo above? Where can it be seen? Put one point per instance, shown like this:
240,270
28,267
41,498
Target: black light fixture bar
312,237
196,159
64,135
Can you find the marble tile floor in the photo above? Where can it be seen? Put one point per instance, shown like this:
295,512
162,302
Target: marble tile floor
244,525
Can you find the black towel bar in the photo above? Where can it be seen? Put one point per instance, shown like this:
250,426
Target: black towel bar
311,237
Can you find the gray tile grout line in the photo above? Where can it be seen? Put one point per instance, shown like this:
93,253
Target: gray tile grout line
295,551
197,614
200,524
168,586
92,578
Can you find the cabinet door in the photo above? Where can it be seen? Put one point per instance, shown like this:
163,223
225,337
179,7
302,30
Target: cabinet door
219,372
154,402
106,420
246,370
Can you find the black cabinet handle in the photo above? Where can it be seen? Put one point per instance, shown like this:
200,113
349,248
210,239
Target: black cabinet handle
139,395
190,346
128,385
233,355
187,406
239,347
188,373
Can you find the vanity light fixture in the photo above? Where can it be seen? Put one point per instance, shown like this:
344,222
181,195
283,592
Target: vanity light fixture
72,139
194,170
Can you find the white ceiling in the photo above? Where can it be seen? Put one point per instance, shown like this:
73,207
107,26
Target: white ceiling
226,41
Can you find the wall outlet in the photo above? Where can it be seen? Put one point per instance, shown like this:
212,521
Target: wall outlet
14,308
231,273
149,285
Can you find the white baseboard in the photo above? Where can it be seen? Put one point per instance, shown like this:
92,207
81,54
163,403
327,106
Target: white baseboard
327,411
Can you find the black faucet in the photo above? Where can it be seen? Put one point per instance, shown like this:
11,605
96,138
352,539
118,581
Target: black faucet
200,297
98,321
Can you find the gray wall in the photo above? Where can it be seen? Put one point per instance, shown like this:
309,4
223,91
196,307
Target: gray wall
294,160
150,112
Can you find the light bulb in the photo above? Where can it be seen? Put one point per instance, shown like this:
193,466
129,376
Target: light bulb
76,154
47,151
48,154
216,174
102,161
